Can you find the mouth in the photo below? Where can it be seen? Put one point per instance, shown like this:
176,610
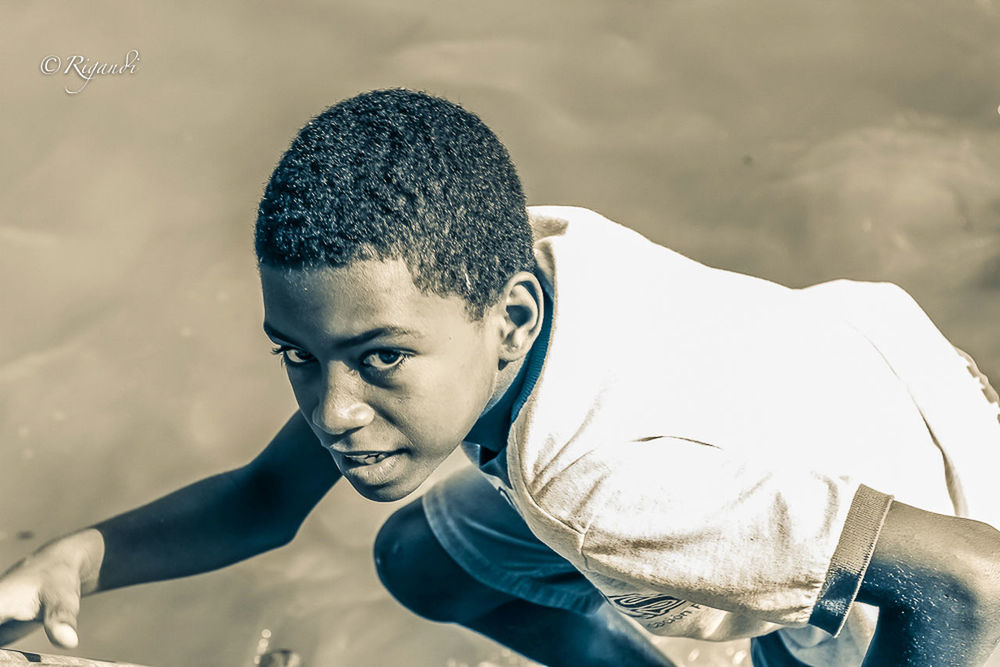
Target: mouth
369,470
367,458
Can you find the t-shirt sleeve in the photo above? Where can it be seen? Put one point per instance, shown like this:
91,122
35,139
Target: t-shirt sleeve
784,543
850,559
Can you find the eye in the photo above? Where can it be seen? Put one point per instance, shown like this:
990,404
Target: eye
293,356
384,360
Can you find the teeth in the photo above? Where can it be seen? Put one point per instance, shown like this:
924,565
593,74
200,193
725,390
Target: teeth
367,459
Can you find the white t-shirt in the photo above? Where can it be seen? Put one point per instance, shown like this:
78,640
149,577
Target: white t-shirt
713,450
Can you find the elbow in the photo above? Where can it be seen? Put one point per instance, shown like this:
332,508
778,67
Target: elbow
284,537
274,529
263,536
265,518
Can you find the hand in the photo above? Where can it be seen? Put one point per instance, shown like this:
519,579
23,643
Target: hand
46,587
40,588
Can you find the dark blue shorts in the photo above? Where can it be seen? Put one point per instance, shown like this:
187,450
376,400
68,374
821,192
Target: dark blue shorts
485,535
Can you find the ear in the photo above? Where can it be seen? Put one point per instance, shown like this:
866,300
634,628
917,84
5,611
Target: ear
520,309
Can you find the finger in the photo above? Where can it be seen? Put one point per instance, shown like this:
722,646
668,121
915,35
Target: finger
62,635
11,631
59,619
19,600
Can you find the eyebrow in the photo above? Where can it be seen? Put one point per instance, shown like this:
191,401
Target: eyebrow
352,341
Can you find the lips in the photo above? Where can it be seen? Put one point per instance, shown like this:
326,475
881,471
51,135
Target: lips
370,470
366,458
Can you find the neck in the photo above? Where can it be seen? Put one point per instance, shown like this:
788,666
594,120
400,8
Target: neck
490,430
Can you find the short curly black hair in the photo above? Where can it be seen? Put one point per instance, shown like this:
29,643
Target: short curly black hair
398,174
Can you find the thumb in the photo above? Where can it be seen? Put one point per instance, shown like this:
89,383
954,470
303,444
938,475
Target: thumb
59,619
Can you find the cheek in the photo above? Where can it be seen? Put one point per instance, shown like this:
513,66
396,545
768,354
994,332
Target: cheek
302,389
451,402
472,389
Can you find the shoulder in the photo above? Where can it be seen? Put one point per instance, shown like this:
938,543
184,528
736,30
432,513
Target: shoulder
861,301
582,228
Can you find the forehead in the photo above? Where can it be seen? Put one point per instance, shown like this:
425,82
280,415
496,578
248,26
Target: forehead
352,299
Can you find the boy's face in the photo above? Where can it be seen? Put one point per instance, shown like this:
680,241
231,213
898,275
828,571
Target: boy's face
389,378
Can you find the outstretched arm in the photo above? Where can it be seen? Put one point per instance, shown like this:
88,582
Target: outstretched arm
207,525
936,581
222,519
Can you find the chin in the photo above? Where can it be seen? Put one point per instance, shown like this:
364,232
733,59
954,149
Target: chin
385,493
392,478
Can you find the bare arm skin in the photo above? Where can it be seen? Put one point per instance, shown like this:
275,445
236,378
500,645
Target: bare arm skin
936,581
222,519
207,525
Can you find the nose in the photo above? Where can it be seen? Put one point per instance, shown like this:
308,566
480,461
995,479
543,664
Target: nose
339,409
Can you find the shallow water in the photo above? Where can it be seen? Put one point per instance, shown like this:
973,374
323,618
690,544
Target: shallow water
797,142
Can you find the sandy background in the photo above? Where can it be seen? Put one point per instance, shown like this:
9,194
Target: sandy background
797,141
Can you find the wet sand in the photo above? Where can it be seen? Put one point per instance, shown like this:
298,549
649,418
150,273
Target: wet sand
799,143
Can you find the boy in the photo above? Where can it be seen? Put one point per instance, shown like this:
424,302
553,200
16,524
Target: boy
706,453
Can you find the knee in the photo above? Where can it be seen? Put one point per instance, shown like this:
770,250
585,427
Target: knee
389,543
408,562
